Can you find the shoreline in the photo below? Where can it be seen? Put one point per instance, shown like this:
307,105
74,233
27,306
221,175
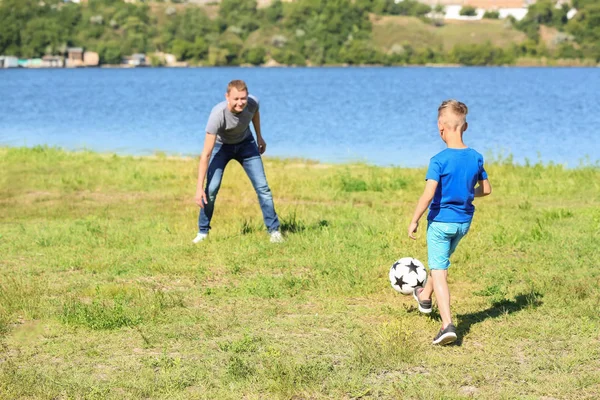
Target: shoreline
520,63
291,160
317,66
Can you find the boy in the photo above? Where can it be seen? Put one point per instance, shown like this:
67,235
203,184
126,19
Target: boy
450,188
228,137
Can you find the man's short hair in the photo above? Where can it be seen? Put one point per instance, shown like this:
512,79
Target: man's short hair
453,113
238,84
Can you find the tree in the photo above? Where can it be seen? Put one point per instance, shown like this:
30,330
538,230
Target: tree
274,13
255,55
360,52
328,23
40,34
240,13
14,16
110,52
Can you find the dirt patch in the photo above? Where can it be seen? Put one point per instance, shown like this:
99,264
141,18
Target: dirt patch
548,36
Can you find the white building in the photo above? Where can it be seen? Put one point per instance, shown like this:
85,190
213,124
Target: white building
453,12
9,62
516,13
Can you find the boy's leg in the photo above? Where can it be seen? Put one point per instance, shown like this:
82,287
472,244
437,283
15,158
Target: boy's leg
461,230
442,239
251,161
216,166
442,294
439,240
440,277
427,291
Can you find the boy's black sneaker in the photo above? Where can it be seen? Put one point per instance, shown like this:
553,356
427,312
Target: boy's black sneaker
445,336
424,305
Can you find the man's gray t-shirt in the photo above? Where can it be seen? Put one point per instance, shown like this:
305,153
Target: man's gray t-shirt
231,128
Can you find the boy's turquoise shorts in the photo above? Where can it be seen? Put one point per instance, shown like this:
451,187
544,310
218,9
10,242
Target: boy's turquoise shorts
442,239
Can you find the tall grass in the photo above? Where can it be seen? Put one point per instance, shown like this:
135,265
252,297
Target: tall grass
102,294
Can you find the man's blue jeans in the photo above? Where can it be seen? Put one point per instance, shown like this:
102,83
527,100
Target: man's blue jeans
246,153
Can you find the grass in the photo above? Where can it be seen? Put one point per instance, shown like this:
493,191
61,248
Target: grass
102,294
399,30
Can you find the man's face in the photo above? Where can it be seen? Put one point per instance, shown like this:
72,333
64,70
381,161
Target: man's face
236,100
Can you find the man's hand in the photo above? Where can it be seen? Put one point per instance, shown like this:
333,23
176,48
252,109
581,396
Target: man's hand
200,198
412,229
262,145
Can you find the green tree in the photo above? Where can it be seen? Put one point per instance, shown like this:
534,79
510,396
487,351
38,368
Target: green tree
39,35
360,52
288,57
182,49
274,13
407,7
239,13
110,52
255,55
542,12
329,23
586,24
14,17
217,56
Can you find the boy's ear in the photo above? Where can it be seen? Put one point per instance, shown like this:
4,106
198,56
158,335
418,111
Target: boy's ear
465,126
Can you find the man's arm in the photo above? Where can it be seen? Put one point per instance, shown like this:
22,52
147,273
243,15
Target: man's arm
483,188
209,145
422,205
262,145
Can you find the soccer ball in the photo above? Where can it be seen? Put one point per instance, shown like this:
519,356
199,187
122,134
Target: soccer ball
406,274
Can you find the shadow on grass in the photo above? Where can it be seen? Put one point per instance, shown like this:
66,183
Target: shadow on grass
288,224
295,226
497,309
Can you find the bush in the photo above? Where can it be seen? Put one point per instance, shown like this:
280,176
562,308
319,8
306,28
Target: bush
288,57
491,14
483,54
468,11
566,50
360,52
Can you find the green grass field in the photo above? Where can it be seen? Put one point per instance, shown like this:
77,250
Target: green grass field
398,30
102,294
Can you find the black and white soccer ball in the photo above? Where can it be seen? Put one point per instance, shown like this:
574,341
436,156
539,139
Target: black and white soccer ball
406,274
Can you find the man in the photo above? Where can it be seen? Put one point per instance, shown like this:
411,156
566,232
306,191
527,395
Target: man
228,137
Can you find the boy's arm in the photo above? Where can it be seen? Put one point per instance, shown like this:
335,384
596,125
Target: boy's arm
422,205
483,188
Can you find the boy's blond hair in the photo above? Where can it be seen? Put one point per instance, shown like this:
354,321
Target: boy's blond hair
453,114
238,84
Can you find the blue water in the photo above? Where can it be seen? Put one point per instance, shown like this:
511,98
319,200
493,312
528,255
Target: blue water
382,116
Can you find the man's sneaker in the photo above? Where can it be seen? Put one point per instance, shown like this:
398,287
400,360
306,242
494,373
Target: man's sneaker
276,237
424,305
445,336
200,237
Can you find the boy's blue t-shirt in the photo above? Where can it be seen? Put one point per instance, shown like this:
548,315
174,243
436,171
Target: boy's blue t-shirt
457,172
